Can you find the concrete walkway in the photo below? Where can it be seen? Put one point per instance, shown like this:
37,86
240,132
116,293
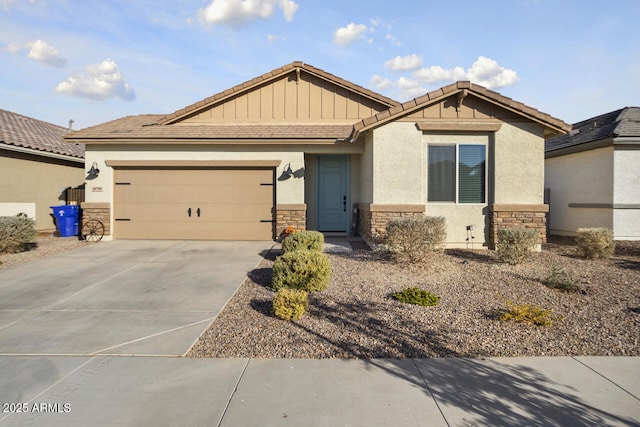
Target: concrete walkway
164,391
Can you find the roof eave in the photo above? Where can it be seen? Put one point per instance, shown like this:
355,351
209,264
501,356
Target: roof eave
31,151
437,96
267,78
210,141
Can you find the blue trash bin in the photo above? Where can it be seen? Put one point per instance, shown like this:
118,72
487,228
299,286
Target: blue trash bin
66,219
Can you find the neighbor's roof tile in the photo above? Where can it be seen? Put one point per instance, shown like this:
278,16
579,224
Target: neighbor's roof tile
27,132
624,122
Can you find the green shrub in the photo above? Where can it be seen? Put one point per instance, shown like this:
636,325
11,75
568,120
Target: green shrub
305,270
527,313
290,304
595,242
412,239
515,245
303,240
559,279
417,296
15,232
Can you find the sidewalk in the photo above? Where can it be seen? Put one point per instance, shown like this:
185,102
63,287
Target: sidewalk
164,391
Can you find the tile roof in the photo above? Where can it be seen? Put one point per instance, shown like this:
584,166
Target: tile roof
624,122
145,128
420,102
271,75
25,132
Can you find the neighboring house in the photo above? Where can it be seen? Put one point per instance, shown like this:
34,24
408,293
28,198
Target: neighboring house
37,167
301,147
593,175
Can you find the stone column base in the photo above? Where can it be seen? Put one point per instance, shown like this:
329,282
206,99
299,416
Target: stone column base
373,219
99,211
290,215
518,216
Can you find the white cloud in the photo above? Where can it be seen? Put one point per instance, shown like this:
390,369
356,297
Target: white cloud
44,52
409,88
99,82
272,38
351,33
436,73
380,83
487,72
12,48
238,12
484,71
404,63
40,51
393,40
289,9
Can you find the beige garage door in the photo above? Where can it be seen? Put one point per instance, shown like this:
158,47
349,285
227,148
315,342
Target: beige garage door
192,203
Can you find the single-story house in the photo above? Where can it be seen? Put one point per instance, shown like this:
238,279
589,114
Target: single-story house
593,175
301,147
37,167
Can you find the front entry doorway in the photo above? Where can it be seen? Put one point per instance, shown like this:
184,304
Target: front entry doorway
333,193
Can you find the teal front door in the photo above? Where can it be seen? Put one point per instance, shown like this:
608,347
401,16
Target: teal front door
333,193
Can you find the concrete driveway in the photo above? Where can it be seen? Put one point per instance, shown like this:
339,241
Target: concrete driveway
121,297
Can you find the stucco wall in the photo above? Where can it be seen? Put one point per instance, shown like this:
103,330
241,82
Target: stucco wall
585,177
27,180
626,187
366,170
626,194
461,215
399,164
519,161
289,191
515,174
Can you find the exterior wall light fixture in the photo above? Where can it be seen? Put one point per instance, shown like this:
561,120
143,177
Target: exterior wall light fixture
93,172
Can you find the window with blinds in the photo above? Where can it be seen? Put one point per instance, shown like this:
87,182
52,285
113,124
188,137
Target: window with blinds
457,173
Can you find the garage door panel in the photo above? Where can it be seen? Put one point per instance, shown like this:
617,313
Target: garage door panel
234,204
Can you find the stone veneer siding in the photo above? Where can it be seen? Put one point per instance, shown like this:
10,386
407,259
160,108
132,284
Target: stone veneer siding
518,216
373,219
290,215
99,211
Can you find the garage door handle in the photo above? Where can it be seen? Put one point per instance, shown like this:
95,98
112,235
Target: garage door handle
198,212
344,203
189,211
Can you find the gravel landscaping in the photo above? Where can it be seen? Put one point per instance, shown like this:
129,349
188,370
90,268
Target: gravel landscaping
357,317
44,245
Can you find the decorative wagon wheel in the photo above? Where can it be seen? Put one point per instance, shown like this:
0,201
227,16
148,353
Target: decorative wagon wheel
93,230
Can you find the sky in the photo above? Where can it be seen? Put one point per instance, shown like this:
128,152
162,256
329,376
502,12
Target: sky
95,61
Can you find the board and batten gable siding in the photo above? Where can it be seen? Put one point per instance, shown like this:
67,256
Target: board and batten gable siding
308,99
471,108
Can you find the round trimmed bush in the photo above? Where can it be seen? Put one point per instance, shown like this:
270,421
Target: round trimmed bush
290,304
303,240
304,270
417,296
595,242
